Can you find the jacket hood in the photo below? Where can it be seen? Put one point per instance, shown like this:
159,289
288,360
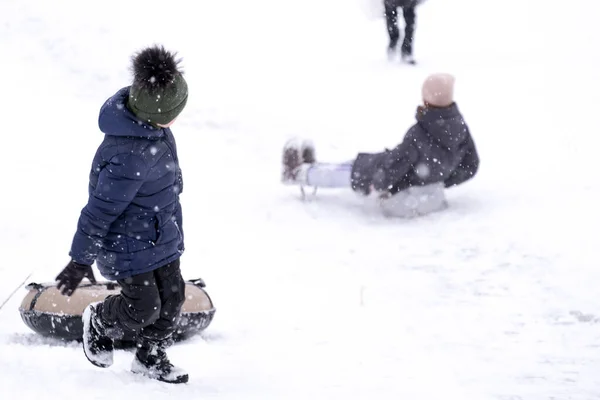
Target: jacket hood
116,119
444,125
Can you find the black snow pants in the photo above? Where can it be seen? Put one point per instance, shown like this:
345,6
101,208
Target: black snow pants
149,304
391,17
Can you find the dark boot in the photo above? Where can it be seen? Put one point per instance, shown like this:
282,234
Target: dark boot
308,152
291,161
97,345
151,360
298,156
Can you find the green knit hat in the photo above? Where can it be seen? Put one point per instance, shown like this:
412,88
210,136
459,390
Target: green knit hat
159,92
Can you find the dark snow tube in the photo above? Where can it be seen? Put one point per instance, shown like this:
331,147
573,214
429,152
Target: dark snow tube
51,314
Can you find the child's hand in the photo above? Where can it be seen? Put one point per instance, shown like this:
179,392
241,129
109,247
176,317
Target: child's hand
72,275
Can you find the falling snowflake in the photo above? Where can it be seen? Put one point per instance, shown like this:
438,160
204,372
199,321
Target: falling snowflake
422,171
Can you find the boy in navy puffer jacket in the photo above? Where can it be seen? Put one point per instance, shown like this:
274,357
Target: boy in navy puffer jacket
132,225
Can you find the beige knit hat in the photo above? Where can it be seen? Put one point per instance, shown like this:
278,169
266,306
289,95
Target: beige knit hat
438,90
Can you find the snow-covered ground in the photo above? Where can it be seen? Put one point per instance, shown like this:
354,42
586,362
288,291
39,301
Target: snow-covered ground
495,298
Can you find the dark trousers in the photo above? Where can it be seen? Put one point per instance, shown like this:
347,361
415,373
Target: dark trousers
391,17
149,304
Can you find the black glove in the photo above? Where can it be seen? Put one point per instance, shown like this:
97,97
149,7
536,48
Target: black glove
72,275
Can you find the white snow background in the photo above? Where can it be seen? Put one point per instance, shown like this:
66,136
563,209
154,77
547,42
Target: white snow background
496,298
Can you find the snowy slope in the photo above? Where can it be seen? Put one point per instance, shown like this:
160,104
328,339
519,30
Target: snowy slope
494,299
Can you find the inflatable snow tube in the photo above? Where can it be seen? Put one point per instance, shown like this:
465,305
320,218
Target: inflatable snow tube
51,314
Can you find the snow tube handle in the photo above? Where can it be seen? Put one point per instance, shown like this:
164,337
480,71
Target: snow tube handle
36,286
198,282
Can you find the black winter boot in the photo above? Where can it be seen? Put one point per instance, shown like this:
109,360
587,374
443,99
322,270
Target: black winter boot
97,346
298,156
151,360
291,161
308,152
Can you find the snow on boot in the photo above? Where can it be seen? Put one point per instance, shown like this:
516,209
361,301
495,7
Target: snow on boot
97,346
151,361
408,59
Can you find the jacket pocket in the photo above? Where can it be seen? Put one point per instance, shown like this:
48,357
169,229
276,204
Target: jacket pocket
166,229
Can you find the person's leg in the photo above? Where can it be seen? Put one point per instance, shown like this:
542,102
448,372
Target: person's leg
391,19
409,32
151,357
136,306
300,167
171,290
329,175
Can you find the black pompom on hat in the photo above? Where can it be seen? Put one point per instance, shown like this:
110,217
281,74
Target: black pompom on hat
159,92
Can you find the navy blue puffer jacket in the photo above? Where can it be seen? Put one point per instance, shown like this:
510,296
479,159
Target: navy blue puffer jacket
132,222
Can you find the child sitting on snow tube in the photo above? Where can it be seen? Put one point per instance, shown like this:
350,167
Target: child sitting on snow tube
437,152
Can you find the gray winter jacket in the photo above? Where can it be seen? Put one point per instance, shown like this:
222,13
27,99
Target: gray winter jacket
438,148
